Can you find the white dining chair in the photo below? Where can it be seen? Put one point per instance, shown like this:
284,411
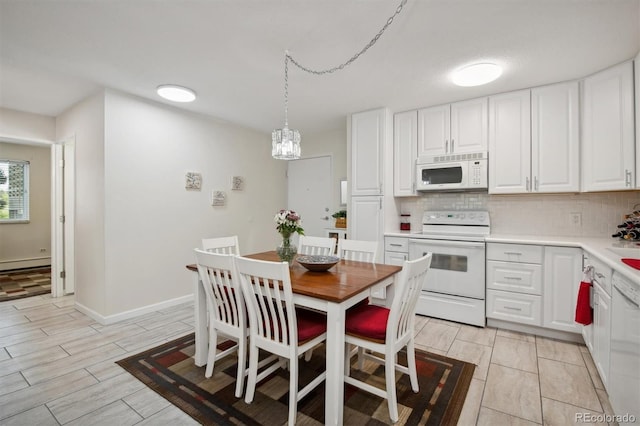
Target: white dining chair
222,245
316,245
277,327
386,331
226,310
362,251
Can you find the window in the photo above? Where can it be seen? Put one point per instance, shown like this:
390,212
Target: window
14,191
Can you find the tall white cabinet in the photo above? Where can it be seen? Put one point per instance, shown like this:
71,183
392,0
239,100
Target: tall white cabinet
371,152
608,140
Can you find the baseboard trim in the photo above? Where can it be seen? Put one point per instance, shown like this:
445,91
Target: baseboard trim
36,262
538,331
133,313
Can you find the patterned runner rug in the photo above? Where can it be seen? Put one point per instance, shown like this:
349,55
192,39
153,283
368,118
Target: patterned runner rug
169,370
19,283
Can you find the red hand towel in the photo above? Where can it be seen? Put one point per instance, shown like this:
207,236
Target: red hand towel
584,313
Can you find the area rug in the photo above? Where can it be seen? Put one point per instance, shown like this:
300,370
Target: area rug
19,283
169,370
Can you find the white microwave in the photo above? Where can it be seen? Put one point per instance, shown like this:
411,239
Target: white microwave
458,172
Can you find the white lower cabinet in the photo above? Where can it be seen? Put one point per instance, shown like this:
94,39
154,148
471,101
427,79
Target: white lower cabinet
562,276
601,332
396,250
514,283
533,285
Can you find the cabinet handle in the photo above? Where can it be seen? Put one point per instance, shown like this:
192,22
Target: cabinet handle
535,183
527,184
513,309
446,146
627,177
513,278
599,275
395,245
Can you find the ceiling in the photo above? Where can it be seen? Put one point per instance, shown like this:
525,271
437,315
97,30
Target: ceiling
231,52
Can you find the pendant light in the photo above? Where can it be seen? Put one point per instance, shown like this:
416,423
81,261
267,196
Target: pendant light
285,142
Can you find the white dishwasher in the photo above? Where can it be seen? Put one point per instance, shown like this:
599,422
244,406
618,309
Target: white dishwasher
624,389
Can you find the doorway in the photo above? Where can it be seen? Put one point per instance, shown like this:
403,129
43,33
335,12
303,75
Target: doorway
310,193
61,211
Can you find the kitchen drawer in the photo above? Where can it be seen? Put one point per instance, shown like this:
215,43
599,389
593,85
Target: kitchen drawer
395,258
512,276
396,244
514,307
514,252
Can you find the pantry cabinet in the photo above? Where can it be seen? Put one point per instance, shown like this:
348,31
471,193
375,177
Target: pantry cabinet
405,148
368,132
608,143
455,128
562,276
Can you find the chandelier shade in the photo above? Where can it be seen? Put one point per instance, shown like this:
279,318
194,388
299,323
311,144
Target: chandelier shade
285,144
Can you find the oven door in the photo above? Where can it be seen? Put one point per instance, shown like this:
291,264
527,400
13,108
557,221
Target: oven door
457,267
441,176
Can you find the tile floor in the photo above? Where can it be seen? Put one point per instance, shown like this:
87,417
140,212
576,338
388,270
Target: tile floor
57,368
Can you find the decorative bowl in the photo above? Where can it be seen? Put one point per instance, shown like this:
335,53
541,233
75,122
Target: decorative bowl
317,263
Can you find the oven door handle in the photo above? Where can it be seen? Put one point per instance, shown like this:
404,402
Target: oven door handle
465,244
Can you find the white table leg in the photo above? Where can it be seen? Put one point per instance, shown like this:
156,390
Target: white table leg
334,393
202,335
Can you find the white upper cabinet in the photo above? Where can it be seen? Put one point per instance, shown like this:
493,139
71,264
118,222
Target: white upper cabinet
368,132
510,143
405,142
469,124
555,139
453,128
534,140
608,161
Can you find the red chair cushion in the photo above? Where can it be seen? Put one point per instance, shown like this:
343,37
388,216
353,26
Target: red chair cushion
368,321
310,324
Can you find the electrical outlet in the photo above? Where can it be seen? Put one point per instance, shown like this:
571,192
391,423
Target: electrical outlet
42,250
576,219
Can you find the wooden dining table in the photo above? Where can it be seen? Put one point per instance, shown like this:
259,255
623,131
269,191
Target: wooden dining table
333,292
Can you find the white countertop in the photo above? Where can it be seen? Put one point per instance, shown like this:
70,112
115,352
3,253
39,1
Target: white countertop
595,246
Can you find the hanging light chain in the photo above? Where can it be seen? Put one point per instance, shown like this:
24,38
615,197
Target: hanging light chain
286,88
349,61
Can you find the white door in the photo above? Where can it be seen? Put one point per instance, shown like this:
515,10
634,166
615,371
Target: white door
310,193
63,219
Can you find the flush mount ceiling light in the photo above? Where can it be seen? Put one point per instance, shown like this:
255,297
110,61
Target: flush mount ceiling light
476,74
175,93
285,141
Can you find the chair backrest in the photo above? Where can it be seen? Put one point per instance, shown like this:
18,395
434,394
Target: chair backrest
221,245
407,288
225,303
316,245
362,251
267,290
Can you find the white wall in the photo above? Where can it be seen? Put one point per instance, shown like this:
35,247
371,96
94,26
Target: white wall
85,120
22,125
151,222
333,143
22,243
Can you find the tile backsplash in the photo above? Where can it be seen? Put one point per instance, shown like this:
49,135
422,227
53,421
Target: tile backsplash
595,214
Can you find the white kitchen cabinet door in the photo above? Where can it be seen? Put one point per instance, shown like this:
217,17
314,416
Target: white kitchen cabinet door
405,148
636,72
555,140
608,161
469,126
395,258
510,143
434,130
368,132
562,276
601,332
366,221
